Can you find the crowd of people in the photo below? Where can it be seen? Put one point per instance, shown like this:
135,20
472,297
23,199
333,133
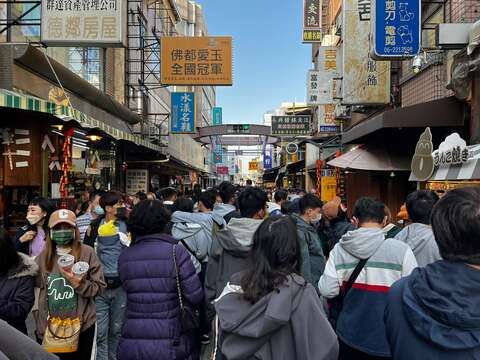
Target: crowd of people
256,275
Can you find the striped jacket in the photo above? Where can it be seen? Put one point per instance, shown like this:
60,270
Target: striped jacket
360,324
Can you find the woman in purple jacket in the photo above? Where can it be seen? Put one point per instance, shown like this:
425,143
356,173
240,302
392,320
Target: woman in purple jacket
152,328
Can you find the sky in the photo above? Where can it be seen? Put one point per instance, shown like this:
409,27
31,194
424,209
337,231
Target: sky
269,60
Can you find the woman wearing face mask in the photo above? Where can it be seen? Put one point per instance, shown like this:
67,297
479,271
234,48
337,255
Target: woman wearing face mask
63,294
30,239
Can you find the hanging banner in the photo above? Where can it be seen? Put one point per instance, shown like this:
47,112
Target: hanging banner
253,166
328,188
396,28
365,81
222,170
84,23
183,113
267,157
217,116
217,152
312,21
201,60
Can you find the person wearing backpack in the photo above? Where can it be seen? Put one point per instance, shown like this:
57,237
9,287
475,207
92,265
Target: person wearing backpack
359,326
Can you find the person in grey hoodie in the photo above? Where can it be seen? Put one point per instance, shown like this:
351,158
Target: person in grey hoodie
419,235
227,208
269,311
231,246
313,262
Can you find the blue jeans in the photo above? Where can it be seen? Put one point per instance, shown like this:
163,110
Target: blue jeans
111,306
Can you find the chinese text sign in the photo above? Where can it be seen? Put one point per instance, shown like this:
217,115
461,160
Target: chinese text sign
312,21
291,125
196,60
183,113
80,22
365,81
397,27
217,116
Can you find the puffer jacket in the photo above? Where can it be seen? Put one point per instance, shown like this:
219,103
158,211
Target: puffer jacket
313,260
16,293
152,327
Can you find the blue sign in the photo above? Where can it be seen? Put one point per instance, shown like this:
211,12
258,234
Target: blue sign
397,28
267,158
217,116
183,113
217,151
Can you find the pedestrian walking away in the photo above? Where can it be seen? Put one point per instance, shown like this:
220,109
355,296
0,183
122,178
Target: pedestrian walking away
268,311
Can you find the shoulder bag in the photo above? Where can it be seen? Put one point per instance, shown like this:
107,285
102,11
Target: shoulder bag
336,304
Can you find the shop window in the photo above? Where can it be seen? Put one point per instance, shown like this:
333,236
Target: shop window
88,64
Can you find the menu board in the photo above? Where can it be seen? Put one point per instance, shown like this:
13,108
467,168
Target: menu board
137,180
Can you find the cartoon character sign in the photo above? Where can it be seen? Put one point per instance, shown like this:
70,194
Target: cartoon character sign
422,162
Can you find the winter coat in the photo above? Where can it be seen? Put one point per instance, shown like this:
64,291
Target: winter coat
16,293
434,314
360,323
152,327
16,346
336,229
286,324
421,240
109,249
200,241
92,285
227,211
229,255
313,260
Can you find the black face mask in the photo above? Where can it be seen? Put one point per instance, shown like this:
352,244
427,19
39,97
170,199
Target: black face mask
121,213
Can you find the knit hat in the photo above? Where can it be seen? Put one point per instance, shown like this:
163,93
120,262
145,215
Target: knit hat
330,209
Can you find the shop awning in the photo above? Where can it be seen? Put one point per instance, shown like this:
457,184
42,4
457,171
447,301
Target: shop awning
446,112
373,158
15,100
271,174
296,167
469,170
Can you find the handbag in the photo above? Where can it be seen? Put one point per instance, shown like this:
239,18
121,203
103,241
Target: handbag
62,335
336,304
189,316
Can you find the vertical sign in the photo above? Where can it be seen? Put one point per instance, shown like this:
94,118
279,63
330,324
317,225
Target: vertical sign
217,116
319,87
183,113
396,27
365,81
267,157
312,21
217,153
84,23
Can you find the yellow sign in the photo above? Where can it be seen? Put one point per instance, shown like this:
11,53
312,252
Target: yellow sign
196,60
253,165
329,188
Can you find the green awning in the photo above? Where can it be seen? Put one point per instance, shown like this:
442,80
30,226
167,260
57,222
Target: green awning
15,100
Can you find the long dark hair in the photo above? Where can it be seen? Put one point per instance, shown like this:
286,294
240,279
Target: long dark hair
276,253
9,258
46,205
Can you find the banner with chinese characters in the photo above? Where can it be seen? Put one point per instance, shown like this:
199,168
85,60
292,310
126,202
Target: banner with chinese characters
217,151
328,188
326,118
291,125
267,157
365,81
253,166
183,113
327,59
196,60
217,116
396,28
84,23
320,87
312,21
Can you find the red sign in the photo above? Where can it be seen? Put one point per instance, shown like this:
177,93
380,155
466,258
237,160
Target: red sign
222,170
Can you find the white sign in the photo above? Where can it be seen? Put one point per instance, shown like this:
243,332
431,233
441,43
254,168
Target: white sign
84,23
365,81
320,86
452,151
136,180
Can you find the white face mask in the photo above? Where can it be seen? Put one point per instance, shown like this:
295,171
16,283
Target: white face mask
34,219
317,219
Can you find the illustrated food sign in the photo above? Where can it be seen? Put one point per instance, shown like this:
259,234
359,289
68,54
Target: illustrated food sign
397,28
183,113
422,165
365,81
82,22
196,60
291,125
312,21
452,151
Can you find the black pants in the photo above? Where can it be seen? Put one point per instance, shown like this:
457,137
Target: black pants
349,353
85,346
204,323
